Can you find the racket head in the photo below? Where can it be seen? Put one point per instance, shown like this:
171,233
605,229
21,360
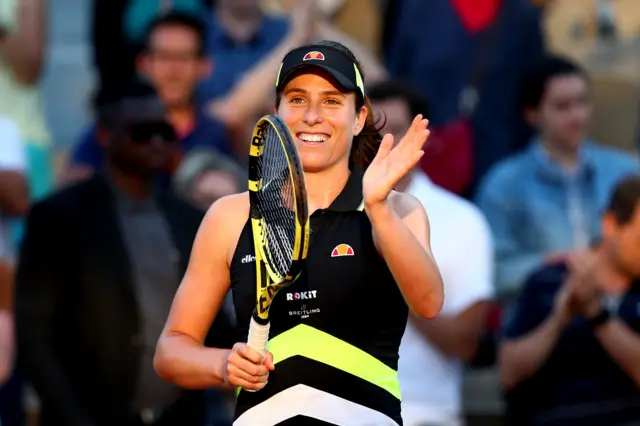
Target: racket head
279,212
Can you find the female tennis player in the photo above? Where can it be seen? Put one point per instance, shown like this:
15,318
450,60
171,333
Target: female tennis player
335,332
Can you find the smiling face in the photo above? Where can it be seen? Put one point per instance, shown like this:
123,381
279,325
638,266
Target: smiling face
322,119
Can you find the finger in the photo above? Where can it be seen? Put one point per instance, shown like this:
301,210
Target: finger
234,372
237,381
251,354
249,367
385,147
268,362
414,139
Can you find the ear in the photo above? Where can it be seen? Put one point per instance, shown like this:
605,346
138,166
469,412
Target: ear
609,225
102,136
531,116
206,67
143,63
361,120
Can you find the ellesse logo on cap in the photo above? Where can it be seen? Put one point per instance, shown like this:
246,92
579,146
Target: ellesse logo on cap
342,250
318,56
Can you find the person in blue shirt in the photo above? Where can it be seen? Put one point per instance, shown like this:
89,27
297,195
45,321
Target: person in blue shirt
239,35
174,62
547,199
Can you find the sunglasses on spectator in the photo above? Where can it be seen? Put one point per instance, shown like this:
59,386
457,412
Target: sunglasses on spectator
142,133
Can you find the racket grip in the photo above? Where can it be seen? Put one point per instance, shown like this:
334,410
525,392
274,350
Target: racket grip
258,337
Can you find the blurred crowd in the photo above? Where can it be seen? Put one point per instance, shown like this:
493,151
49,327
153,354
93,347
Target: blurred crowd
534,221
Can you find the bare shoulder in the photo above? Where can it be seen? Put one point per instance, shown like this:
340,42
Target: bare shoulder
404,204
224,221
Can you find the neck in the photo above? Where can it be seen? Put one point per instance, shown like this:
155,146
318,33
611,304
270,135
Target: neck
181,117
136,187
611,278
240,24
566,157
319,194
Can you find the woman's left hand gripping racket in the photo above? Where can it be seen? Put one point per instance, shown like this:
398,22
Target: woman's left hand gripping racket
279,218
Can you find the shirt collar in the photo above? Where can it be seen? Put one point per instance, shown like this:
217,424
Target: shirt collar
350,198
551,168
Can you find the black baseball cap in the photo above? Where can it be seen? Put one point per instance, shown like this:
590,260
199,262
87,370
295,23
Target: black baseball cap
327,58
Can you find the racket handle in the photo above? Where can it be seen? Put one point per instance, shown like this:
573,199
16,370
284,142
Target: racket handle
258,337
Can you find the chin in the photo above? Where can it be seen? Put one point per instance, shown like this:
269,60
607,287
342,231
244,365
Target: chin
313,162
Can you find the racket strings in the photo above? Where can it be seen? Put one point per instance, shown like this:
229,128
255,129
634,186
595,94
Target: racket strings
276,204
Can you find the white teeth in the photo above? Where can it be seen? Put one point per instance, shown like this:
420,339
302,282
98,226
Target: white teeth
308,137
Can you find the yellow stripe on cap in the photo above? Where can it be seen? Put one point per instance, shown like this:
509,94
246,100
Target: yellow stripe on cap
311,343
359,81
279,72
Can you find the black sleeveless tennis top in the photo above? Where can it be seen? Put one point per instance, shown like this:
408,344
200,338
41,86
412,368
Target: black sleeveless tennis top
335,332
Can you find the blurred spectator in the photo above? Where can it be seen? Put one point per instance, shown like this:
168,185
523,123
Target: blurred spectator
98,271
239,35
432,352
118,31
572,351
174,62
14,202
23,33
467,57
547,200
205,176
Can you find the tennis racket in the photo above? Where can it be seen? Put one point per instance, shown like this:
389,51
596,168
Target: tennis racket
279,218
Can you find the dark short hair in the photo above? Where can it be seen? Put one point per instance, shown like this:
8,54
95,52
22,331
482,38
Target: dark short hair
178,19
534,83
625,199
396,89
111,105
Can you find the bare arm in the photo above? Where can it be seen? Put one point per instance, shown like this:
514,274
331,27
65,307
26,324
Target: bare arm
623,345
402,236
181,356
14,193
24,49
520,358
457,336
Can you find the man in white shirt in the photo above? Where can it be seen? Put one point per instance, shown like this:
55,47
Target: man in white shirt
433,352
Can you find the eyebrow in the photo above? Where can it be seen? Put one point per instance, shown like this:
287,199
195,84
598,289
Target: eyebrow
331,92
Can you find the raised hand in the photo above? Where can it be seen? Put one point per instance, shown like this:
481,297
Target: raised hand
392,163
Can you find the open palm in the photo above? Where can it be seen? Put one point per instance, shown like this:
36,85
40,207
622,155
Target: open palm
392,163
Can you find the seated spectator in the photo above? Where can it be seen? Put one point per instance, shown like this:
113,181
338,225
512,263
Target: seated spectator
239,35
571,354
23,37
205,176
99,267
174,62
432,352
547,200
14,202
118,32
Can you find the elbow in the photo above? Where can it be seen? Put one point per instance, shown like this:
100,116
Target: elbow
18,207
507,373
430,307
162,363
